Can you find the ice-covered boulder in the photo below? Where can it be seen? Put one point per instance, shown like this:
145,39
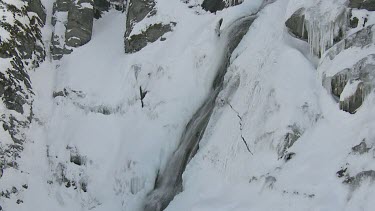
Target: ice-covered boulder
319,33
353,84
296,24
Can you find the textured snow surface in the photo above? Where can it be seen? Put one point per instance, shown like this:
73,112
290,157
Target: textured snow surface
272,89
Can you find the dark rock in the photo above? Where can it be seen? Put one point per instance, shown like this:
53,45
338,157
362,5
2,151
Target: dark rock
75,157
362,4
296,24
341,173
14,190
137,10
80,23
61,6
353,22
37,7
100,6
143,94
289,139
213,5
151,34
289,156
361,148
19,201
216,5
56,50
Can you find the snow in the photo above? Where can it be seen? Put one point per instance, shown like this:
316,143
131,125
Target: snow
271,84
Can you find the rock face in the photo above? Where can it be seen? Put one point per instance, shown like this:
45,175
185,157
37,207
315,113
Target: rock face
99,7
363,4
216,5
73,22
296,25
37,7
80,22
21,51
137,10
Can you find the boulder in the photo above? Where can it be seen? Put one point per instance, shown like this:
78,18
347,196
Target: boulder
296,25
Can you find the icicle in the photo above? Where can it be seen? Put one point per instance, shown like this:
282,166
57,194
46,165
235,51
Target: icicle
322,33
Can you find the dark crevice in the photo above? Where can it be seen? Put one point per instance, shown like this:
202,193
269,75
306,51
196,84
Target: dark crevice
241,128
143,94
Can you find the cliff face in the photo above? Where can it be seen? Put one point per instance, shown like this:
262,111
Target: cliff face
187,105
21,51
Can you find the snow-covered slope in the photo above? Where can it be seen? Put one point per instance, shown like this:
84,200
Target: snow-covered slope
106,123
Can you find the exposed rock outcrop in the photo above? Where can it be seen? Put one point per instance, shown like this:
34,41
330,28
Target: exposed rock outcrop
21,51
80,22
37,7
216,5
73,22
137,10
363,4
136,42
296,25
319,34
